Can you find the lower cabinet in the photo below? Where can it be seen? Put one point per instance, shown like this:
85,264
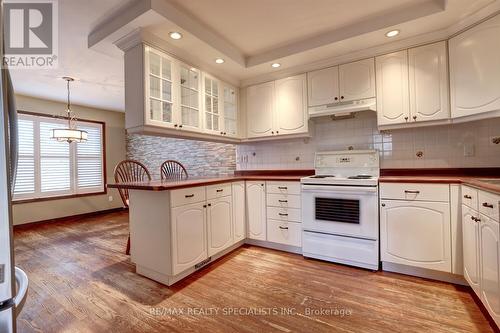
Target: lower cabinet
256,210
189,242
489,266
470,237
219,221
239,211
288,233
416,233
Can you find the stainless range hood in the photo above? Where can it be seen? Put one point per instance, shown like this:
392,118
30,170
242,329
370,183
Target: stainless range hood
343,108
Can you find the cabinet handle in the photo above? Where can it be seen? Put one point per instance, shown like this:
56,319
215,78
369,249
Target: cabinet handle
406,118
467,196
282,188
282,214
485,204
283,228
189,195
414,117
477,219
220,190
412,191
283,201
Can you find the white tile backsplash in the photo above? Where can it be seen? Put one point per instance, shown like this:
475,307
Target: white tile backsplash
442,146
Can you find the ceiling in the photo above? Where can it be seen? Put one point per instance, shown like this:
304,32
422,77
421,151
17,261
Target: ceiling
249,35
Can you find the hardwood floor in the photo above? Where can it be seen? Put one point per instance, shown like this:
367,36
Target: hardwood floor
81,281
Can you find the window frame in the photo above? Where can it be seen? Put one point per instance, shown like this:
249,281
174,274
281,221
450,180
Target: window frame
73,156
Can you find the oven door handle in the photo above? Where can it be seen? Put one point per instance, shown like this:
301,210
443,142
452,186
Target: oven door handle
333,188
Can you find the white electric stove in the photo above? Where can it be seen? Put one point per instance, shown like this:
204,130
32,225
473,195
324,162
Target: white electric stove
340,208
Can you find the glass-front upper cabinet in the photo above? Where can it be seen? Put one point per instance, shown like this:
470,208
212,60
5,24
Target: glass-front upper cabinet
159,87
230,110
211,104
190,96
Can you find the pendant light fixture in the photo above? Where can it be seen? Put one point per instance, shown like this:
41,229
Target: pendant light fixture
71,133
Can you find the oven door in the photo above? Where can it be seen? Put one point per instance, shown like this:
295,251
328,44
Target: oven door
341,210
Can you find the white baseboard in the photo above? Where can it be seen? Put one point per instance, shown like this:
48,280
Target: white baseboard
424,273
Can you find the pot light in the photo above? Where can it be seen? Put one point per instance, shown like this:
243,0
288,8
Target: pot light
392,33
175,35
219,61
275,65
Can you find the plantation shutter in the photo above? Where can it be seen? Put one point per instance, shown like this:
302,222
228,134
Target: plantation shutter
25,178
89,160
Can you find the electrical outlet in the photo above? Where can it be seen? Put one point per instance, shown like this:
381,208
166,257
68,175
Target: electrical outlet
110,198
468,149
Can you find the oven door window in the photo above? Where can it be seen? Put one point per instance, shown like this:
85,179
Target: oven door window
337,210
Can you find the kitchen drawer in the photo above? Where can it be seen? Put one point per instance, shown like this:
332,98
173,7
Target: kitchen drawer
219,190
287,233
488,204
469,197
283,200
187,196
283,187
284,214
415,192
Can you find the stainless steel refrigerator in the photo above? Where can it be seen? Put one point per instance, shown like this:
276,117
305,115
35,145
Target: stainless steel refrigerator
13,281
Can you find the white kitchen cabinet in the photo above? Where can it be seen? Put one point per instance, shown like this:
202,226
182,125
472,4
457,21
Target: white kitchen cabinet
189,242
470,236
323,86
220,224
211,105
490,266
239,211
291,105
260,110
428,82
393,105
230,113
256,209
475,69
357,80
416,233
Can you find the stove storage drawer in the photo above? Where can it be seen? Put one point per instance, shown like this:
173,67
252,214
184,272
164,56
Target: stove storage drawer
284,214
283,200
415,192
279,187
288,233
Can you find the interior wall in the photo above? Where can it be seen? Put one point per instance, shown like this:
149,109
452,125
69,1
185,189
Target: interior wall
200,158
441,146
115,152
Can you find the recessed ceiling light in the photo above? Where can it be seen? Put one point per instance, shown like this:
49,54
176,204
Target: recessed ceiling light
175,35
275,65
219,61
392,33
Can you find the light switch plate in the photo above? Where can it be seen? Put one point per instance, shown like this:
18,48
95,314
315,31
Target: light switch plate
468,149
2,273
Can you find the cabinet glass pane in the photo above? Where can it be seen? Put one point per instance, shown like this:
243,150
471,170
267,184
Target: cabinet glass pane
190,116
193,79
215,89
166,69
189,97
208,103
230,125
208,86
155,112
229,95
166,90
208,121
154,64
215,123
167,112
229,111
154,86
215,105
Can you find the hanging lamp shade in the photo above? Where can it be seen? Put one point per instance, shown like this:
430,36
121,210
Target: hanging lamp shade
71,133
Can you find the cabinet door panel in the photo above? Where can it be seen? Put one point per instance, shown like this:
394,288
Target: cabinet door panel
256,210
291,109
470,236
357,80
323,86
416,234
189,245
392,88
428,75
490,266
260,110
239,210
220,220
475,69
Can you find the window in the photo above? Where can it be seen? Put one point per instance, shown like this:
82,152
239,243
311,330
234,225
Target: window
49,169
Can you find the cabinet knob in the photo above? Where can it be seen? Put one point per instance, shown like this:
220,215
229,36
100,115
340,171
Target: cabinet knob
204,206
272,132
277,132
175,125
414,117
209,205
341,97
383,205
221,133
180,126
336,98
406,118
225,133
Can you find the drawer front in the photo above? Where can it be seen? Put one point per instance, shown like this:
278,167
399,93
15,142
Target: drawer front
488,204
284,233
283,200
284,214
219,190
415,192
283,187
469,197
187,196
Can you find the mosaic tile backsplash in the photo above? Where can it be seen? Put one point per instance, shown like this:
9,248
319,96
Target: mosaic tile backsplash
463,145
